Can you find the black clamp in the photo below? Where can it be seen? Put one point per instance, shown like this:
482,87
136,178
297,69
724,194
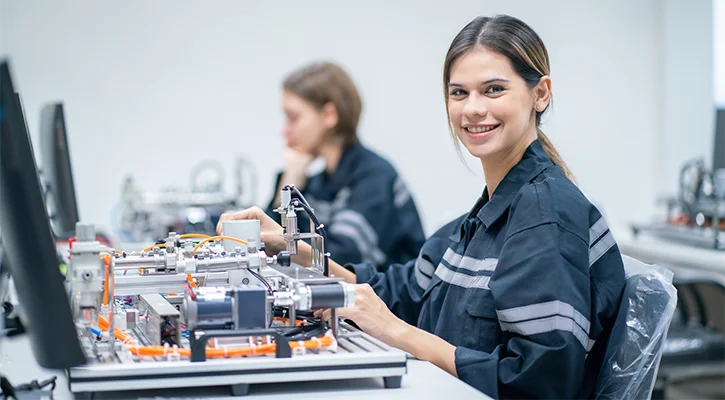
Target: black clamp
198,345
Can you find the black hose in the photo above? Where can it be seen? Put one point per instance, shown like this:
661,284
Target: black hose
318,227
304,332
299,193
264,281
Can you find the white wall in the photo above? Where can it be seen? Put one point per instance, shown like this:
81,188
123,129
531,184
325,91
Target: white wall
719,50
155,87
687,89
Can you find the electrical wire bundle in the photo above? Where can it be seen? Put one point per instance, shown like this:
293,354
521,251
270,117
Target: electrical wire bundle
306,325
318,342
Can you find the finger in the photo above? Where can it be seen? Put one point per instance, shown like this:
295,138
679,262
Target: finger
219,224
326,315
364,288
345,312
249,213
224,217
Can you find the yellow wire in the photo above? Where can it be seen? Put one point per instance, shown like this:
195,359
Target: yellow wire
153,246
193,235
233,239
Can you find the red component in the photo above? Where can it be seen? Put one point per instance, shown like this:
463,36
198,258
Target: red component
70,246
190,290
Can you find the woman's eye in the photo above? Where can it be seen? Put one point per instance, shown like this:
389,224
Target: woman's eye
494,90
457,92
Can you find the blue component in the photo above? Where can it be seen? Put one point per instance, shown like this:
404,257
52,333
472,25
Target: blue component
251,310
214,312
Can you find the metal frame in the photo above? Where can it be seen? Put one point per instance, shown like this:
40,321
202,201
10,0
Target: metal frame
358,356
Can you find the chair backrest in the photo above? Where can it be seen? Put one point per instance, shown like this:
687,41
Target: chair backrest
635,346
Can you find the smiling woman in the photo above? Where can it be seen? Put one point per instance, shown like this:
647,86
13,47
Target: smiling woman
509,81
518,296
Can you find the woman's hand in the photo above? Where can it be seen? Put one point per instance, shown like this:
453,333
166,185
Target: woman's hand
295,172
372,315
270,231
296,162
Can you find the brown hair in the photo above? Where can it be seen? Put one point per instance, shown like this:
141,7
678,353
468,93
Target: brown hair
322,83
519,43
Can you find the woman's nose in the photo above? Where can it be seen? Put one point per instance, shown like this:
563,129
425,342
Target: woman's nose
475,106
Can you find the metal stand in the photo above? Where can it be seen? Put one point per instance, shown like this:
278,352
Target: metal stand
241,389
393,382
358,356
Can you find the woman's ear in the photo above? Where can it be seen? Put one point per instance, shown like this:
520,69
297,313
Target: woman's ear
542,93
330,117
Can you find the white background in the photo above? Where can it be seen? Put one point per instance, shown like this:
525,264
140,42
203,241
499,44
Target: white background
719,51
153,88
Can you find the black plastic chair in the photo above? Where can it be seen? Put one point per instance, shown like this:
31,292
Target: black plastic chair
693,349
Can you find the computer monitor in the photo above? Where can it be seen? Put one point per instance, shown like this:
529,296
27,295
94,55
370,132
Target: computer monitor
718,155
57,171
29,244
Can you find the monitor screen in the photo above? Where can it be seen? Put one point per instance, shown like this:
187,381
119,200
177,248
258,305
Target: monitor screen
718,24
718,155
29,244
57,171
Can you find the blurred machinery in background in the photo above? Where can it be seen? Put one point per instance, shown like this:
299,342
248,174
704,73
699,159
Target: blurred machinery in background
697,215
149,215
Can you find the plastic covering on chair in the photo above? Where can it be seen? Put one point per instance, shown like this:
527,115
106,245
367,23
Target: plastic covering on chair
635,346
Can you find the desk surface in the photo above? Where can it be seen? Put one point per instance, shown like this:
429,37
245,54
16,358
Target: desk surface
423,381
670,253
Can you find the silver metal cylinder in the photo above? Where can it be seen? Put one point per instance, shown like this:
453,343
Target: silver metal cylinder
291,246
132,262
333,295
212,264
285,197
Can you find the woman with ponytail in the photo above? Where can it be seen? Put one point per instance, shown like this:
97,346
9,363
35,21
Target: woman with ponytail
518,296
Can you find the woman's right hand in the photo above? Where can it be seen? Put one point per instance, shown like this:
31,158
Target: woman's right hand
295,173
270,231
296,162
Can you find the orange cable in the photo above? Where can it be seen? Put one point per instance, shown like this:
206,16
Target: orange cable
233,239
156,351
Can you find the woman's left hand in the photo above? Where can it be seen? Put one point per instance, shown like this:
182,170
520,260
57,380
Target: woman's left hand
372,316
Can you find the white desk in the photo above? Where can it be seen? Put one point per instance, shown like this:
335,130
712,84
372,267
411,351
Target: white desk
672,254
423,381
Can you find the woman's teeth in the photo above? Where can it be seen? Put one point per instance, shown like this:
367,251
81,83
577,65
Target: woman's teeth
481,129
